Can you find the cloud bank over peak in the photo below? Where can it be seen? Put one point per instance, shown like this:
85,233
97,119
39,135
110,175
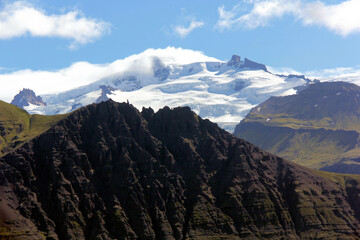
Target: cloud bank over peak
21,18
83,73
342,18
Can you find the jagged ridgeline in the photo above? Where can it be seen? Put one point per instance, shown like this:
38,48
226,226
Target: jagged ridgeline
26,97
107,171
319,127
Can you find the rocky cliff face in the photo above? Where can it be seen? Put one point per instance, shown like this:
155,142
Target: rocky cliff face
26,97
108,171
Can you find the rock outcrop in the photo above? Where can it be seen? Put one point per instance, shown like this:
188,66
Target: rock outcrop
105,90
26,97
246,64
108,171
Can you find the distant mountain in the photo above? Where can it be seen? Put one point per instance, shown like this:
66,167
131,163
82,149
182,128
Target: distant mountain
108,171
319,127
223,92
27,98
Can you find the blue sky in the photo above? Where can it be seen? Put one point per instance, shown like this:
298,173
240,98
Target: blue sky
300,34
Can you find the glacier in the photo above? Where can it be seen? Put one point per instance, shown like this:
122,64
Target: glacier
223,92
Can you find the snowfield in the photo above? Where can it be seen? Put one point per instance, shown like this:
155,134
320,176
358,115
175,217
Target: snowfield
223,92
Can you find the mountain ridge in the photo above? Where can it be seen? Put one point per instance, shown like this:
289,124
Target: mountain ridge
108,171
318,127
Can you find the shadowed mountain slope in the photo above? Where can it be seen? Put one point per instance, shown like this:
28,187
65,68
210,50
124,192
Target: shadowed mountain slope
108,171
319,127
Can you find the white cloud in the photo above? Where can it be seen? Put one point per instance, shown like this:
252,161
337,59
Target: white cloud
342,18
184,31
226,18
21,18
345,74
283,70
340,72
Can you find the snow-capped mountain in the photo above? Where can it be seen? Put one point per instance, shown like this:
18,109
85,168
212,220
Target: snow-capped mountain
223,92
27,98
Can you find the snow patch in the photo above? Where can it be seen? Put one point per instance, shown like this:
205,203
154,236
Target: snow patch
288,92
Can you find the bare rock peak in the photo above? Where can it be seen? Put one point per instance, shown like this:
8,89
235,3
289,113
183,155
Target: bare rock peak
25,97
246,64
235,60
254,65
105,90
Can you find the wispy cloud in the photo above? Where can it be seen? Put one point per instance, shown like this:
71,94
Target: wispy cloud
184,31
6,69
332,73
345,74
283,70
227,18
21,18
342,18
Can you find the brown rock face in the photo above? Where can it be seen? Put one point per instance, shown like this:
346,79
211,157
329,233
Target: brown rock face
108,171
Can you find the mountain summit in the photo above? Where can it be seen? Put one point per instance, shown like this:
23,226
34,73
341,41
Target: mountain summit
107,171
26,97
222,92
246,64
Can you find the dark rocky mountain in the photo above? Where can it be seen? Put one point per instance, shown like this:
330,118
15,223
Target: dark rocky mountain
26,97
319,127
236,61
108,171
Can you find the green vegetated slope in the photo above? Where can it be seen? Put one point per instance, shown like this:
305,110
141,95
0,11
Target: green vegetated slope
17,126
319,127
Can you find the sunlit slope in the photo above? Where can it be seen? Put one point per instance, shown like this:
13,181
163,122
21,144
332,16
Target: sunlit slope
318,128
18,126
